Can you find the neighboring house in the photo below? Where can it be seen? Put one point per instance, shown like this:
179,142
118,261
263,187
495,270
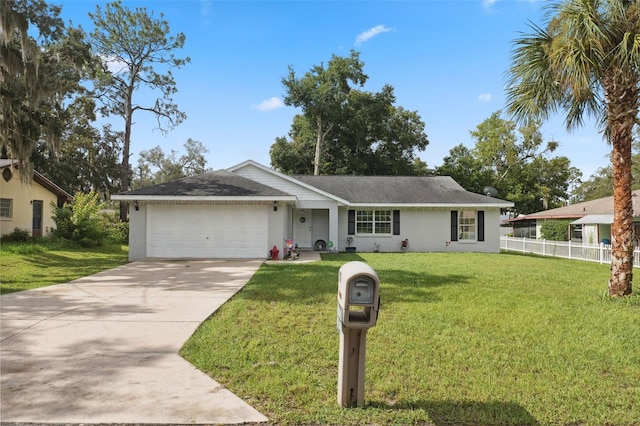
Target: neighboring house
590,221
244,211
27,205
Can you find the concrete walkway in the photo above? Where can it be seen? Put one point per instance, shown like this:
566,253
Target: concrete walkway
104,348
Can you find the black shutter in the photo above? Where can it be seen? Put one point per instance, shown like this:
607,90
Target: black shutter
480,225
351,226
454,225
396,222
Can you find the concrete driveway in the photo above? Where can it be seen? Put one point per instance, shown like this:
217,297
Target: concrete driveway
104,348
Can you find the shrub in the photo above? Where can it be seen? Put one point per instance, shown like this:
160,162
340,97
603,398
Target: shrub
555,230
81,220
116,231
17,236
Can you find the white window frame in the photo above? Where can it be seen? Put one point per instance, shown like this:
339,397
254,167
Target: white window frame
377,219
467,226
6,208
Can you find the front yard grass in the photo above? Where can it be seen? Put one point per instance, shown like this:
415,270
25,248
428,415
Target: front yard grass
26,266
469,339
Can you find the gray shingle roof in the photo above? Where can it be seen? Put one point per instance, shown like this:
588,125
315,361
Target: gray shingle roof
382,190
398,190
220,183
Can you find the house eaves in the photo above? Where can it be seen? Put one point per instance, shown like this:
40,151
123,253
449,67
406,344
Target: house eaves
182,198
593,219
500,205
40,179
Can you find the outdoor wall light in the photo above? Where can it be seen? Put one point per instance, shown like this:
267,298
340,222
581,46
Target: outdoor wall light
275,206
136,205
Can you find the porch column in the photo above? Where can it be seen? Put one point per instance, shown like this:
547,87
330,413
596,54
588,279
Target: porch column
333,227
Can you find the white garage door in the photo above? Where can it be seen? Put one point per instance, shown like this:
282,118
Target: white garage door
183,231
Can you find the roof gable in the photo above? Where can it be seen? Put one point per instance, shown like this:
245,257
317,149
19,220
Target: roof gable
289,184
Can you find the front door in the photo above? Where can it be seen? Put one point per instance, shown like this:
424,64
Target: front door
302,228
36,230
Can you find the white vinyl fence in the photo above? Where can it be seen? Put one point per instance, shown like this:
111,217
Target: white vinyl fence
567,249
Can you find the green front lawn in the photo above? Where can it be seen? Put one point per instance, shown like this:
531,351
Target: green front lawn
26,266
461,339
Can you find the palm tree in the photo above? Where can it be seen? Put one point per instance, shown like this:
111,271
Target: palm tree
586,62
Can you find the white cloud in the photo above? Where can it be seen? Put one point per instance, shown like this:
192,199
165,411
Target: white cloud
485,97
488,3
269,104
367,35
205,7
114,65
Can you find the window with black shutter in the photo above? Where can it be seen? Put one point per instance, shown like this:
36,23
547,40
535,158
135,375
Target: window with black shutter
396,222
467,225
454,225
351,222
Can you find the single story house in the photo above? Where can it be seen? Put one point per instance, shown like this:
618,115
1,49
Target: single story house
26,205
590,220
244,211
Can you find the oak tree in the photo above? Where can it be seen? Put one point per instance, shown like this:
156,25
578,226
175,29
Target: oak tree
345,129
514,160
322,92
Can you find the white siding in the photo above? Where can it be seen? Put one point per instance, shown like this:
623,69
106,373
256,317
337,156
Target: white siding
427,230
207,231
320,226
137,232
274,181
278,227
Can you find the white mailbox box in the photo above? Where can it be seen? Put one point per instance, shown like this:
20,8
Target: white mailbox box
358,295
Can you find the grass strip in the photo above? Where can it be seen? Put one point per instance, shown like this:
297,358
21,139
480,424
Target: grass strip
27,266
462,338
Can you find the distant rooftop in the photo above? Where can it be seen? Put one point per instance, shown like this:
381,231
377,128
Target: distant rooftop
601,206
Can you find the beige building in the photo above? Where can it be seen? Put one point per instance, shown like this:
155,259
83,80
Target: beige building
27,205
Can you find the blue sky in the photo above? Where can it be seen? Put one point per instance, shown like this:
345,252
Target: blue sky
446,60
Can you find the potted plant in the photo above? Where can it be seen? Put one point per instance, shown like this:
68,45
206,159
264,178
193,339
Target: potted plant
350,249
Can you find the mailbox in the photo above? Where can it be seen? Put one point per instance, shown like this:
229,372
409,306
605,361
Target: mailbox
358,295
358,304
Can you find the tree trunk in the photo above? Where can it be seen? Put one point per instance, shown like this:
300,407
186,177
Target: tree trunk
316,158
622,108
126,148
124,172
622,228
